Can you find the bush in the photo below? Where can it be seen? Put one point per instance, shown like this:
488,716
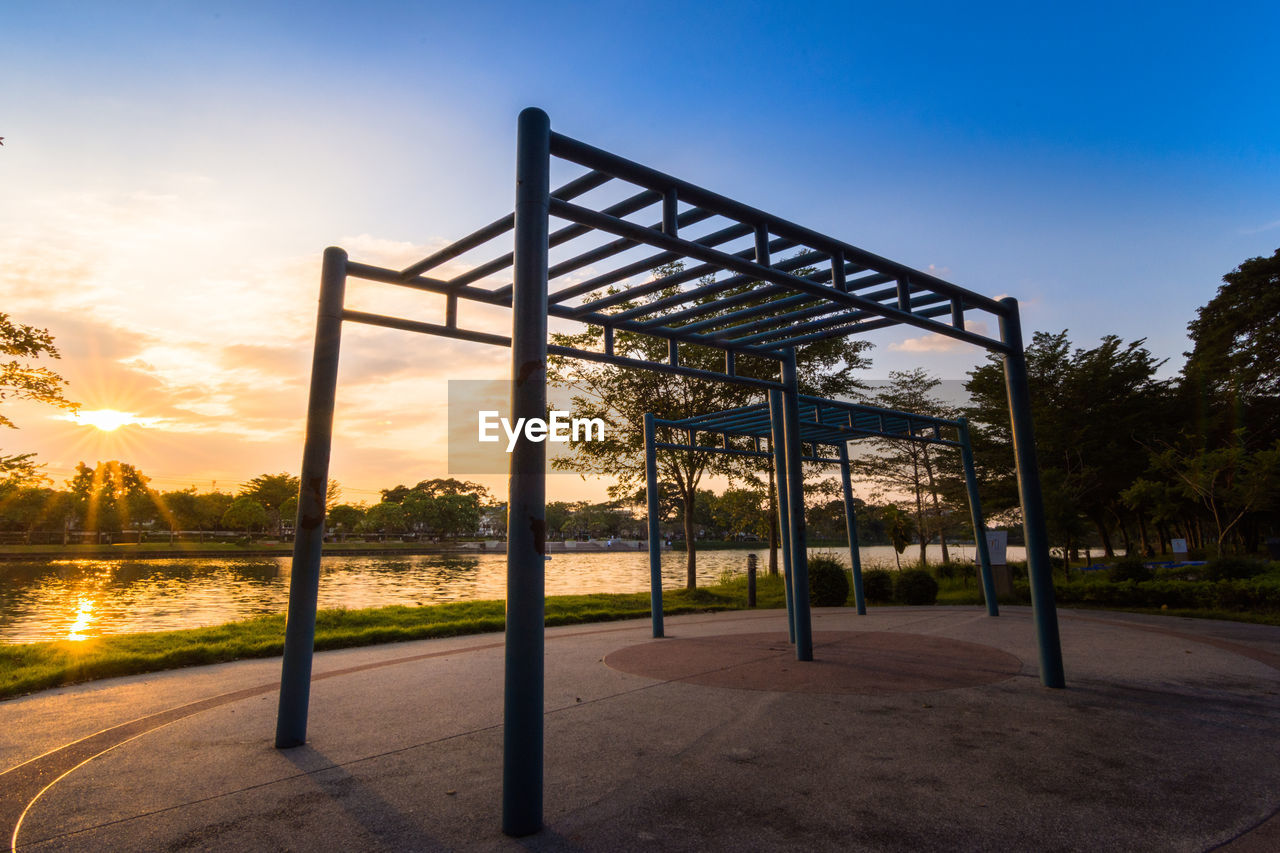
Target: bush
828,584
1234,568
1128,569
916,586
945,571
877,585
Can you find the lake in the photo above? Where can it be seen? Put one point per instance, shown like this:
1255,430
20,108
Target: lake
82,598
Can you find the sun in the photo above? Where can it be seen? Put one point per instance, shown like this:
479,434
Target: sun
106,420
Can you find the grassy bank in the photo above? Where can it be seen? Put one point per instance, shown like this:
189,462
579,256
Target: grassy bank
36,666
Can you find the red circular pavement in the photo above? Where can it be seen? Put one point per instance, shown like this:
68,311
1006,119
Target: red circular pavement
844,662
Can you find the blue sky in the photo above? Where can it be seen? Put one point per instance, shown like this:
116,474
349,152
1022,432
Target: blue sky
171,172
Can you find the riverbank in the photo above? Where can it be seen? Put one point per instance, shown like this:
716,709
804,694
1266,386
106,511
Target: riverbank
28,667
165,551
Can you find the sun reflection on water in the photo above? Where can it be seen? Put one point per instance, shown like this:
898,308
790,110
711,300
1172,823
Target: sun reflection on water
84,616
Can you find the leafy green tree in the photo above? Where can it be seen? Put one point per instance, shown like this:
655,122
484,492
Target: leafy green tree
739,510
1232,374
1229,482
210,507
22,379
344,519
897,524
904,466
384,517
109,494
1095,413
621,396
272,490
453,515
245,513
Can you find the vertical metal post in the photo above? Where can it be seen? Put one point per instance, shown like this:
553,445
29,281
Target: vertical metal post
851,525
975,514
795,499
1039,569
308,540
777,441
655,545
526,517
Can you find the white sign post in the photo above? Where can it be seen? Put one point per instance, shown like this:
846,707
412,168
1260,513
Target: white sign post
997,550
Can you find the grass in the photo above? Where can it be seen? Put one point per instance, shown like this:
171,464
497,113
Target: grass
25,668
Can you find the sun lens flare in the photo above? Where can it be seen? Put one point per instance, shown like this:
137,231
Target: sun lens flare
106,420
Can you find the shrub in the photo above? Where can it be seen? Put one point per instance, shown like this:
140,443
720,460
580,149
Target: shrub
1234,568
877,585
916,586
945,571
828,584
1128,569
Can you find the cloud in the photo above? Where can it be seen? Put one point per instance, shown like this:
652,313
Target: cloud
1261,228
939,343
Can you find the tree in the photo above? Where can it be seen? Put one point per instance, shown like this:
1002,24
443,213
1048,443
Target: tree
621,396
1095,413
272,490
344,519
109,495
384,517
1232,374
1229,481
245,513
902,465
897,524
20,379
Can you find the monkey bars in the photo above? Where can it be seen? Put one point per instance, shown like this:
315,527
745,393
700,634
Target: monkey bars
609,264
822,423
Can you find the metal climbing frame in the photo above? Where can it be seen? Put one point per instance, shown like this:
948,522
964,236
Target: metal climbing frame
736,294
823,423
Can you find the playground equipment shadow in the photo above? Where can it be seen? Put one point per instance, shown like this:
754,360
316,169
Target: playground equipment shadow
914,728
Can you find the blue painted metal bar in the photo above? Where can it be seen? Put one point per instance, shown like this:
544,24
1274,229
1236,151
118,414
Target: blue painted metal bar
777,441
737,451
689,273
526,516
975,515
655,540
308,543
851,527
608,250
478,238
1039,569
643,265
623,228
795,497
594,158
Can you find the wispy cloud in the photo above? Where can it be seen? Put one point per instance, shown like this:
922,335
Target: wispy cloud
1261,228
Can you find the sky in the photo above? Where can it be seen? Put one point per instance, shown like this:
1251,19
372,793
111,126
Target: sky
171,173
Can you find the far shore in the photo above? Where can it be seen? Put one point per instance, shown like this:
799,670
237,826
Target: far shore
165,551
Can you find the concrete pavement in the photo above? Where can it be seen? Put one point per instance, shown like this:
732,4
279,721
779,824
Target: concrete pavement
915,728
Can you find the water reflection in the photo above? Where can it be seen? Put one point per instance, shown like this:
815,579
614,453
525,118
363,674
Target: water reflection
79,599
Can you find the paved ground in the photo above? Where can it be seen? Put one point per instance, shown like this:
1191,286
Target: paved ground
916,728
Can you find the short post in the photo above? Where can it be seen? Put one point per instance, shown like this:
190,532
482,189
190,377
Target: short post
308,540
777,441
655,545
1039,568
751,580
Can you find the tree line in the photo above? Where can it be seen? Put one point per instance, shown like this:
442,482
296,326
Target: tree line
1127,459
